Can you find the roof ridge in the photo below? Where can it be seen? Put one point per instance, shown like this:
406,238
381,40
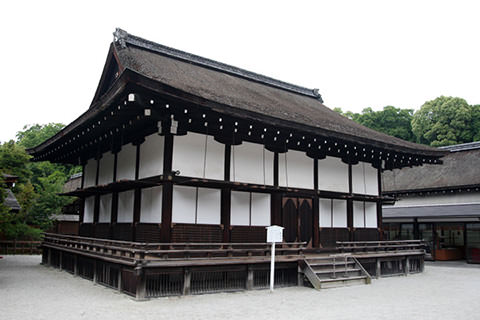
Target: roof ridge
122,37
462,146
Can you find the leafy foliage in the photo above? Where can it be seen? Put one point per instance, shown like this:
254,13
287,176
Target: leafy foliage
392,121
38,184
444,121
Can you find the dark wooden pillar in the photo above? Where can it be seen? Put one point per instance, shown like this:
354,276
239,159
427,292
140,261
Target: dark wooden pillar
96,207
138,193
276,197
350,205
167,194
226,197
316,207
114,213
379,205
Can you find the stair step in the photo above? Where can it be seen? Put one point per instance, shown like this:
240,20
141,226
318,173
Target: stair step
337,263
341,279
337,270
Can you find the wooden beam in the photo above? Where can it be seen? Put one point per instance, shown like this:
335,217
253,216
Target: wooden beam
167,193
137,194
316,207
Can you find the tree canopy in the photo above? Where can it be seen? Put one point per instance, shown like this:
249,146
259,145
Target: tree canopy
392,121
445,121
38,185
439,122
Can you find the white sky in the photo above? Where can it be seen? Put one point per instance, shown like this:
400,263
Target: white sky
358,53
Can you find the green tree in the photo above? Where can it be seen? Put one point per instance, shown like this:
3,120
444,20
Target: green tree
33,135
392,121
444,121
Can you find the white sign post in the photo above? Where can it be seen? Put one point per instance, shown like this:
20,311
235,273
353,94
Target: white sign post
274,234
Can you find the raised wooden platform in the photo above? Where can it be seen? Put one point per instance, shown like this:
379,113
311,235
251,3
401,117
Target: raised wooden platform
146,270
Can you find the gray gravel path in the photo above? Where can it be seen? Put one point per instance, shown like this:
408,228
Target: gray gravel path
31,291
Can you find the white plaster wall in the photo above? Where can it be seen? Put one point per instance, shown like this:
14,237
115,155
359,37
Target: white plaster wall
332,175
371,179
339,213
198,155
184,204
438,199
105,171
251,163
358,178
88,209
151,205
295,170
189,154
90,173
325,213
370,215
208,206
240,208
358,214
105,211
151,156
260,209
126,159
364,179
125,206
215,158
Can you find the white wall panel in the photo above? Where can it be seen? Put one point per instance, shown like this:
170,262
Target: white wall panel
90,173
358,178
251,163
208,206
332,175
189,154
260,209
371,179
125,206
240,208
151,156
339,213
126,159
325,213
358,214
370,215
215,158
151,205
299,170
184,204
105,211
88,209
105,171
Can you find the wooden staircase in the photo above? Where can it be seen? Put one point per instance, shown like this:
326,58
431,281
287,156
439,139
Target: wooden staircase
336,270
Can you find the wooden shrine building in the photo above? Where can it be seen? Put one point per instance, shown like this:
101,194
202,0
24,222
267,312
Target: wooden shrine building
177,148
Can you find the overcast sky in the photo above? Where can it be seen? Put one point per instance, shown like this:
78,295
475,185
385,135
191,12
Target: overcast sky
357,53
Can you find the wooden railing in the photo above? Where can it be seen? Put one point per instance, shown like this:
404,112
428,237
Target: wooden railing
20,247
132,253
381,246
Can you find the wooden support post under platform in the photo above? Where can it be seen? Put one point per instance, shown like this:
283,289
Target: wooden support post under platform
119,279
75,265
141,293
49,257
60,260
379,268
187,280
249,284
407,266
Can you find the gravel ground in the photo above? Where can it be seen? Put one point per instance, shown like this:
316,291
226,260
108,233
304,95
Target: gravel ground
29,290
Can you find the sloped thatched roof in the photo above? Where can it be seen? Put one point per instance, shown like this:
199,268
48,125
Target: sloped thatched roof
461,168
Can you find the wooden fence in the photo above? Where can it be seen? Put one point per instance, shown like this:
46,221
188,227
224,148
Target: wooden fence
20,247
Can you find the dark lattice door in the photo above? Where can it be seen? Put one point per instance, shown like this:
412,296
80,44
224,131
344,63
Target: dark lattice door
305,217
290,219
